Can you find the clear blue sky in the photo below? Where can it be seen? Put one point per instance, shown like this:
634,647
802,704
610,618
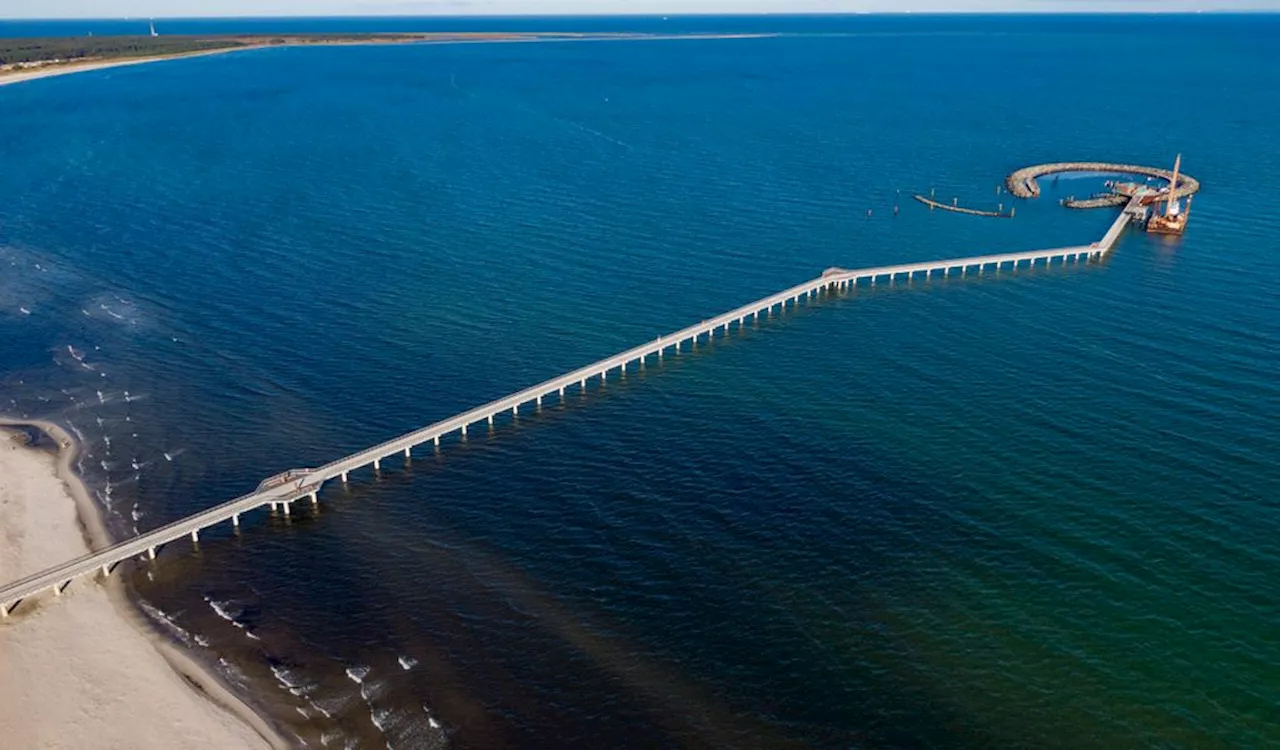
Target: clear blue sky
171,8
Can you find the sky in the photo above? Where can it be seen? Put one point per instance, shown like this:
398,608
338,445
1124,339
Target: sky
177,8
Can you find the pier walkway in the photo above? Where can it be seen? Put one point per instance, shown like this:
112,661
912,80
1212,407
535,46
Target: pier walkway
282,490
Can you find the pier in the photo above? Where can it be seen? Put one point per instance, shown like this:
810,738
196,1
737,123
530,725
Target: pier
280,492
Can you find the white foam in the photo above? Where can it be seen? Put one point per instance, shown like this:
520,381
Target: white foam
430,719
408,662
371,690
320,708
381,718
223,610
167,622
357,674
292,682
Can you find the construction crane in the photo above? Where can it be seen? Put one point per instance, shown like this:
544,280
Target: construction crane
1174,219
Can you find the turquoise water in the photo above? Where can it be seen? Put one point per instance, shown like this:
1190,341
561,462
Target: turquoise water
1033,510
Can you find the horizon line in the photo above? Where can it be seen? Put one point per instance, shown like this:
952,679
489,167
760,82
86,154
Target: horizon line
763,14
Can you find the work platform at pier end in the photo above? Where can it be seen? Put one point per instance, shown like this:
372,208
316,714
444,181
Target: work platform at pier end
278,493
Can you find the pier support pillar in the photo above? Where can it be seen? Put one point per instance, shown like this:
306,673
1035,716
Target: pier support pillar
286,505
106,570
57,589
377,464
235,520
490,420
344,477
604,376
151,553
435,440
315,499
195,536
539,401
407,455
515,410
659,354
464,430
562,393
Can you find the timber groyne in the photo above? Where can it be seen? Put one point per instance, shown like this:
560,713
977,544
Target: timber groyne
931,203
1022,183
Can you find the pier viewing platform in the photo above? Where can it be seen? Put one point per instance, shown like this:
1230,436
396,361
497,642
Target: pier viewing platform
280,492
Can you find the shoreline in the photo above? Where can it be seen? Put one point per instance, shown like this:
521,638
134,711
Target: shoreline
205,685
52,71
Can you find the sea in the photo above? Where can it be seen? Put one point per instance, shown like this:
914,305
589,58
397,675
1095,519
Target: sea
1033,509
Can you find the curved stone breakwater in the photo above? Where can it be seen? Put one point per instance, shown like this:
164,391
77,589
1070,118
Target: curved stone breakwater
1022,183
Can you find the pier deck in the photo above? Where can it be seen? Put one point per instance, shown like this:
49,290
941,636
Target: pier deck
281,491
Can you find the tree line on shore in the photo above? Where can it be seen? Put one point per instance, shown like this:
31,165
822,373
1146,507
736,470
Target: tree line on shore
31,50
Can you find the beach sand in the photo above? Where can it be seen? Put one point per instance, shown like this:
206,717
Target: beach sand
85,670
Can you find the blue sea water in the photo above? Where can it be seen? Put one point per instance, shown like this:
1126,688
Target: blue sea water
1032,510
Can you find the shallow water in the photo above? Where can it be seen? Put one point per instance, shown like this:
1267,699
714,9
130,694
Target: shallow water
1027,510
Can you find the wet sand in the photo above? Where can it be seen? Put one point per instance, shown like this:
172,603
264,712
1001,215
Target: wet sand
86,669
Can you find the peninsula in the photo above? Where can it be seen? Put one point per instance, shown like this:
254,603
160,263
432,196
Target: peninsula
23,59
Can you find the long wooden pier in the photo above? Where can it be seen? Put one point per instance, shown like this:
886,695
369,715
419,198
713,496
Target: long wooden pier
281,491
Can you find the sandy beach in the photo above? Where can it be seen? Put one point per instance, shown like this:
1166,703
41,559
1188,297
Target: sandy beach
87,671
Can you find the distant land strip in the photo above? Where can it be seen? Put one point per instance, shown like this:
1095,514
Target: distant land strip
24,59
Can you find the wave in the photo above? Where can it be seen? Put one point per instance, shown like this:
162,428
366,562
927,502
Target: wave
231,612
407,662
292,682
357,674
165,621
